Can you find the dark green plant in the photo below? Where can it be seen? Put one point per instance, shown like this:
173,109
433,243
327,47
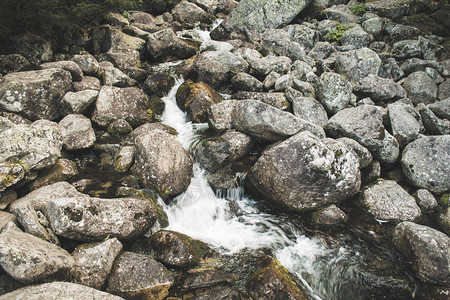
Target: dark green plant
358,9
335,35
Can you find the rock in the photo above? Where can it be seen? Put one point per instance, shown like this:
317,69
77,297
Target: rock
371,172
258,16
317,173
393,9
356,36
62,170
406,49
427,249
70,66
35,94
159,84
77,102
205,278
420,88
272,281
405,123
303,35
93,219
379,89
33,146
13,63
216,68
433,124
177,250
270,63
309,109
444,220
374,26
333,91
117,40
77,132
412,65
28,259
277,100
10,174
6,218
389,151
139,276
329,216
441,108
444,90
93,262
114,77
220,115
390,69
124,59
61,290
87,63
340,13
87,83
245,82
357,64
361,153
213,153
124,159
117,20
321,51
388,201
425,200
162,163
115,103
424,162
216,46
267,123
34,48
165,43
6,198
189,14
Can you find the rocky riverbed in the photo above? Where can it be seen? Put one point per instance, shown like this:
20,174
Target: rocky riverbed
230,150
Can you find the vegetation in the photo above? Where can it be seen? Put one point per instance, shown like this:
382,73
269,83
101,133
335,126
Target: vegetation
418,18
358,9
335,35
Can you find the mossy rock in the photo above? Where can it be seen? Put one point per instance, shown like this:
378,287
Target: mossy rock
157,105
183,92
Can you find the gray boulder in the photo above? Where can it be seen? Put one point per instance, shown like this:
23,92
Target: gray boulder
374,26
162,163
302,34
77,132
33,47
124,59
189,14
444,90
87,63
11,173
115,103
392,9
329,216
6,218
379,89
427,249
87,83
306,173
28,259
390,69
216,46
426,201
309,109
139,276
420,88
340,13
124,159
93,262
265,122
68,65
159,84
405,123
334,92
246,82
118,40
270,63
444,220
406,49
433,124
321,51
357,64
441,108
77,102
112,76
12,63
361,153
277,100
220,115
355,36
35,94
425,163
389,151
165,43
60,290
388,201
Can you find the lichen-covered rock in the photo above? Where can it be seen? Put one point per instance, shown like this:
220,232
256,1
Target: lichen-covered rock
270,63
356,36
205,278
35,94
334,92
329,216
357,64
93,262
441,108
388,201
115,103
60,290
165,43
444,220
406,49
124,159
361,153
76,132
428,249
389,151
68,65
112,76
379,89
139,276
392,9
277,100
62,170
220,115
87,83
77,102
10,174
189,14
444,90
124,59
305,173
162,163
87,63
33,47
309,109
246,82
265,122
177,250
93,219
29,259
12,63
420,88
159,84
425,161
432,124
405,123
302,34
118,40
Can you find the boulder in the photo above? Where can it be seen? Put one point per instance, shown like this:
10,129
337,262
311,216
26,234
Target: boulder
302,34
35,94
426,201
428,249
270,63
139,276
6,218
420,88
355,36
13,63
28,259
216,46
94,262
77,102
424,162
432,124
357,64
393,9
61,290
388,201
329,216
340,13
114,77
68,65
189,14
124,159
334,92
405,123
309,109
159,84
33,47
246,82
267,123
406,49
164,44
87,63
62,170
390,69
389,151
77,132
124,59
379,89
444,220
306,173
277,100
220,115
162,163
10,174
206,278
444,90
441,108
117,40
361,153
93,219
87,83
115,103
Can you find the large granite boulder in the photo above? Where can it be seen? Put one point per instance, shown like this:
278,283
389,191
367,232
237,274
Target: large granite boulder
405,123
165,43
334,92
425,163
420,88
357,64
78,102
35,94
306,173
379,89
76,132
68,65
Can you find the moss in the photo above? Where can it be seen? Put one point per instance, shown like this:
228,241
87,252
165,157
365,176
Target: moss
336,35
445,199
358,9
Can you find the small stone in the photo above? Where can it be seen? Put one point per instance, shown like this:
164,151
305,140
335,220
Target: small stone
426,201
124,159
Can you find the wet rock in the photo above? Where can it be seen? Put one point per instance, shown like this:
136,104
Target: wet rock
204,278
405,123
424,163
361,153
220,115
177,250
333,91
216,68
406,49
115,103
87,63
329,216
29,259
62,170
162,163
165,43
270,63
93,262
420,88
318,173
388,201
356,36
277,100
433,124
35,94
379,89
114,77
159,84
217,292
310,110
427,249
213,153
61,290
272,281
425,200
77,102
441,108
77,132
124,159
246,82
12,63
357,64
189,14
267,123
137,275
259,16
